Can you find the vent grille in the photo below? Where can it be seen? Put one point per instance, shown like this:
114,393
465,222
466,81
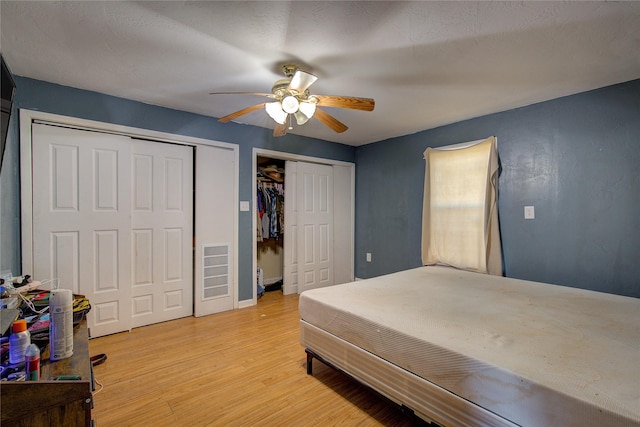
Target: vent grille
215,271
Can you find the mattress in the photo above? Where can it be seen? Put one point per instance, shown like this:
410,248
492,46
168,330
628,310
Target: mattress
533,353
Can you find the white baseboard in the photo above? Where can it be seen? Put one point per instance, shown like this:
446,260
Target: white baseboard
246,303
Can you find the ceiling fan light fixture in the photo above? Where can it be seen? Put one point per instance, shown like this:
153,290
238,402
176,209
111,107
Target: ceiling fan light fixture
301,118
301,80
292,99
308,108
290,104
275,111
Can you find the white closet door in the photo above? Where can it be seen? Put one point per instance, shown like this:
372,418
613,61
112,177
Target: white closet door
216,219
314,193
341,254
290,268
113,220
81,225
161,232
343,217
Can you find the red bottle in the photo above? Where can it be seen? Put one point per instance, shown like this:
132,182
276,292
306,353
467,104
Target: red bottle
32,362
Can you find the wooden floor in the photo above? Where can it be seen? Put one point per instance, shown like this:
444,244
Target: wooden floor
239,368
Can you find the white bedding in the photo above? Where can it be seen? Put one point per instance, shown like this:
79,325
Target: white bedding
533,353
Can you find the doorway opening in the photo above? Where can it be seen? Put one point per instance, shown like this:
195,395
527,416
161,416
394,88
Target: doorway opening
316,248
269,203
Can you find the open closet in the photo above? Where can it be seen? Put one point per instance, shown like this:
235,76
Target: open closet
270,224
303,222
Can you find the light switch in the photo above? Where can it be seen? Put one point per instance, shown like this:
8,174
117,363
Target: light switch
529,212
244,206
368,256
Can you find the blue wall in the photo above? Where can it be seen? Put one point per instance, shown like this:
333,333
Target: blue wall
37,95
576,159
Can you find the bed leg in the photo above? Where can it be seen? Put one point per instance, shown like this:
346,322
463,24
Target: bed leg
309,362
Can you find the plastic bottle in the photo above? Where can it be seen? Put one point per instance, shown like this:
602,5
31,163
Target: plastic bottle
32,362
18,341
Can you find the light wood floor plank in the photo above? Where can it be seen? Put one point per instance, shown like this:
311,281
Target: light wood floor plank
239,368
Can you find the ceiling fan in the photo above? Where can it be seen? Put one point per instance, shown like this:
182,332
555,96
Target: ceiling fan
292,100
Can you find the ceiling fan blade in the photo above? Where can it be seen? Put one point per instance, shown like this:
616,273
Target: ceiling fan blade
268,95
301,81
351,102
242,112
328,120
280,129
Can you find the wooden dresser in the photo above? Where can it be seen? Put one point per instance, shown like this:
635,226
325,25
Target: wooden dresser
48,402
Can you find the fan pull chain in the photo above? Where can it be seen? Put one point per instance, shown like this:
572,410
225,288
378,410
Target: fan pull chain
290,124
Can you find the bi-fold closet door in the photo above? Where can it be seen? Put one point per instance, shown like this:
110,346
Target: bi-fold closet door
113,220
318,240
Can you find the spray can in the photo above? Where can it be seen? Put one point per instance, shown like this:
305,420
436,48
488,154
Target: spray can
18,341
32,362
60,324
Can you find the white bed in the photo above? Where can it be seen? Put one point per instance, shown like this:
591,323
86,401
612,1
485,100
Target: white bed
462,348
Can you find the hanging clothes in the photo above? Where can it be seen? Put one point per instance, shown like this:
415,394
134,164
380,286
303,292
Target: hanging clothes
259,213
270,202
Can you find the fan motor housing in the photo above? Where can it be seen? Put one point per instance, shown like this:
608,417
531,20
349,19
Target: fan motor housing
279,88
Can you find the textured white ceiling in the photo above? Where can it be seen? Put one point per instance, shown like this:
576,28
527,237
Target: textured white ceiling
426,64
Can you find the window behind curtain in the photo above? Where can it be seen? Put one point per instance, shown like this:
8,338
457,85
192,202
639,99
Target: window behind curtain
460,213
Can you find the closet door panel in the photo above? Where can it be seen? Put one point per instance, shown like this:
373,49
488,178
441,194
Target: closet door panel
315,220
330,193
81,223
343,223
290,279
216,227
162,230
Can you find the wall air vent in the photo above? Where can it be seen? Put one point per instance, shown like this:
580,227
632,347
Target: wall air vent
215,271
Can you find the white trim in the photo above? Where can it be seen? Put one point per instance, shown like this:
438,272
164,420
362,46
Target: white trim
26,193
246,303
84,124
295,157
27,117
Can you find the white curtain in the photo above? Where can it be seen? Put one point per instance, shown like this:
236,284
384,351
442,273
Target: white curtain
460,207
